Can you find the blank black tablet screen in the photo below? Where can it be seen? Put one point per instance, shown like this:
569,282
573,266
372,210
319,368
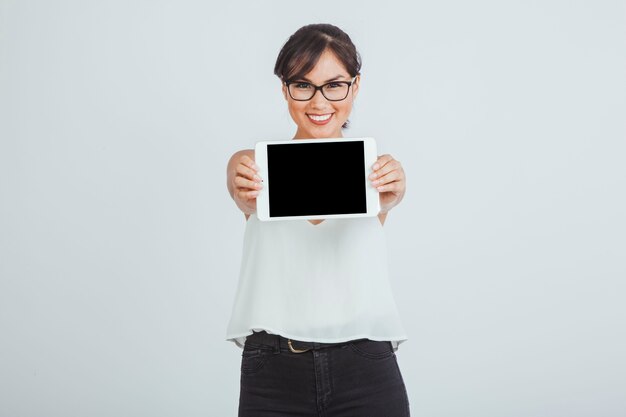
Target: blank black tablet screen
316,178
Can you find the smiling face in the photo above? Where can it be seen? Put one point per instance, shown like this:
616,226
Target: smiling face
319,118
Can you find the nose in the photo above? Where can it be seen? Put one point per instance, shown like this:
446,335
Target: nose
318,100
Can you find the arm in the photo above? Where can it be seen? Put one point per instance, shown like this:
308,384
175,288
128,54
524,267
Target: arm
243,181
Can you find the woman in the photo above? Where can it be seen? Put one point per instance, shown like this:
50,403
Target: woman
314,311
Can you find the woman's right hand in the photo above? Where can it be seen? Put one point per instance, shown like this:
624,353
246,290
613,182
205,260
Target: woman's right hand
244,182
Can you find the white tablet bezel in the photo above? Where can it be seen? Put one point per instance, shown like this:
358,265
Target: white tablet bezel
371,194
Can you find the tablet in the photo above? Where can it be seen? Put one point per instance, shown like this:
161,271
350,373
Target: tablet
316,178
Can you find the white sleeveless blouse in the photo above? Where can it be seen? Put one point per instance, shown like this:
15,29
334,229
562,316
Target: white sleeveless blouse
320,283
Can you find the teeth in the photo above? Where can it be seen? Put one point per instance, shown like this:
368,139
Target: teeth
320,118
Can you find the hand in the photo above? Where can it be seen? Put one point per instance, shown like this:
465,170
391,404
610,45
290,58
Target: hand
388,178
246,183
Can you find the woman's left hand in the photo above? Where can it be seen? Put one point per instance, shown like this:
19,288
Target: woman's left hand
388,178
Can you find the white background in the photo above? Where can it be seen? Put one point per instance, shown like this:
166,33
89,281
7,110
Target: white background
120,246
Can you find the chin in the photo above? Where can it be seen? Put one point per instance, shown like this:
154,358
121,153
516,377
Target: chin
321,132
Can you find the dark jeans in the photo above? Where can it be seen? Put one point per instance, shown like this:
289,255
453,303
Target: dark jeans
360,378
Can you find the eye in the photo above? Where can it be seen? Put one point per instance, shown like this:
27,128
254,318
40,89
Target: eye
302,86
334,85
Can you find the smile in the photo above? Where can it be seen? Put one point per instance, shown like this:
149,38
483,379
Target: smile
319,119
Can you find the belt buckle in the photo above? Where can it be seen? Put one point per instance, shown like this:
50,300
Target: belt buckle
291,348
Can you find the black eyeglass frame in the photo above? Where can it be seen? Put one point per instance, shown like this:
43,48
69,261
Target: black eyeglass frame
320,88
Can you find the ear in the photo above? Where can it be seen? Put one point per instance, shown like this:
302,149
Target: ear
355,86
284,90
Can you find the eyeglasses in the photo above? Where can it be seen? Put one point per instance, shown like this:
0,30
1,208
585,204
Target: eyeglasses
332,91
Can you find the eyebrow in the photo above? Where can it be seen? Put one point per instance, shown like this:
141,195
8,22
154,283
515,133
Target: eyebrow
327,81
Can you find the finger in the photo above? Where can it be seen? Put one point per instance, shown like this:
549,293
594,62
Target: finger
386,179
242,182
248,173
393,187
247,195
381,161
387,168
249,162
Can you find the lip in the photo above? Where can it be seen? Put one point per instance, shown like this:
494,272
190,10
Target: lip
317,122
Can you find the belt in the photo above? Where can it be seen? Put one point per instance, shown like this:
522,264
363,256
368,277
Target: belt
296,346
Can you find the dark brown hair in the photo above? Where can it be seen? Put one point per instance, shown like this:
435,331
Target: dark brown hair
303,49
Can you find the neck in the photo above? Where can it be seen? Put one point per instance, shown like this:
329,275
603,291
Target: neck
300,134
